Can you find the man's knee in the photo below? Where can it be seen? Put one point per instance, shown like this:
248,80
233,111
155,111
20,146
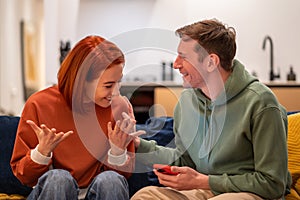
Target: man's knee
144,192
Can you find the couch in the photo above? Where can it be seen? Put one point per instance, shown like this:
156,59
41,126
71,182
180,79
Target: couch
293,143
158,129
10,186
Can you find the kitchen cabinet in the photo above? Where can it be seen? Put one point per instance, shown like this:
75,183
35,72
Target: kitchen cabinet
165,100
151,99
157,100
288,94
142,100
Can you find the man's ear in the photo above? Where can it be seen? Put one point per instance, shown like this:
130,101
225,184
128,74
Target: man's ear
213,62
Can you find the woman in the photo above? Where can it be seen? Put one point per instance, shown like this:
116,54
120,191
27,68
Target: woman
61,146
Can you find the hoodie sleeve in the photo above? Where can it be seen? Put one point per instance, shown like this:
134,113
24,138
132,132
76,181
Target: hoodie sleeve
150,153
269,180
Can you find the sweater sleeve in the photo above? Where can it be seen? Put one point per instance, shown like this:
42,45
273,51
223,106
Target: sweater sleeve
270,178
23,167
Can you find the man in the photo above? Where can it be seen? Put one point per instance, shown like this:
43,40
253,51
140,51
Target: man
230,131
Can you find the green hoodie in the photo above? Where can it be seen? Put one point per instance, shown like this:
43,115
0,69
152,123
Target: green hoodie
239,139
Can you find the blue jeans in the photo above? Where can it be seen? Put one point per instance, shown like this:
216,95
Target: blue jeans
58,184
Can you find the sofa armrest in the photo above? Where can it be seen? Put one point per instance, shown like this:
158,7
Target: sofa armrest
9,184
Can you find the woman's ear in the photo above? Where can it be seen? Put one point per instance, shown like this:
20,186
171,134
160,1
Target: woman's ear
213,62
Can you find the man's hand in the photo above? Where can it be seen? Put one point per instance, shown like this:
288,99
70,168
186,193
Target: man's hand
48,138
186,179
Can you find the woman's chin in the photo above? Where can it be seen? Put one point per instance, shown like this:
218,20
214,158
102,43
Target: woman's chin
104,104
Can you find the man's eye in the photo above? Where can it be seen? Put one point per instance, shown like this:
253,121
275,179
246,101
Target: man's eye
182,57
108,86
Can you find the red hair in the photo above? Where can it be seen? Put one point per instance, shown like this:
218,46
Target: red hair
85,62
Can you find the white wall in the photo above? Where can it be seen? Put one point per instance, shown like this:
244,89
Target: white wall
54,20
11,97
60,24
144,29
252,19
12,12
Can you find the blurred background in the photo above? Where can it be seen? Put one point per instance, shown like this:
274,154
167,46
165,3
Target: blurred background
35,33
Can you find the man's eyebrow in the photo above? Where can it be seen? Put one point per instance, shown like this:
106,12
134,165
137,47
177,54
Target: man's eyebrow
186,38
181,54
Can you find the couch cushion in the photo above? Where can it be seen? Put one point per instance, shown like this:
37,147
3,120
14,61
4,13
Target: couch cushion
11,196
293,142
159,129
9,184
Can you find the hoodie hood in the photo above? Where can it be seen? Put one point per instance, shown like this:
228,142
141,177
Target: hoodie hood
238,80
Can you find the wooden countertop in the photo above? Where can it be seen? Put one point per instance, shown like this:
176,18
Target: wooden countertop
283,84
175,84
151,84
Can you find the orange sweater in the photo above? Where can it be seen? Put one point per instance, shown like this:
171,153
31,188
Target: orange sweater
83,154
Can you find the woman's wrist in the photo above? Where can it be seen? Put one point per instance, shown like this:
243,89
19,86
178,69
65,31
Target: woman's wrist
115,150
43,152
38,157
117,159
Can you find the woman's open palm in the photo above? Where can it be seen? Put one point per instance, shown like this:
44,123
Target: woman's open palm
48,138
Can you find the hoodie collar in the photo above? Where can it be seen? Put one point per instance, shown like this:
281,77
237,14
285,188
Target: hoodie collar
238,80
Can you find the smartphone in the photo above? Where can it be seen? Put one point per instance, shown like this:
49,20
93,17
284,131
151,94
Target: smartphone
166,170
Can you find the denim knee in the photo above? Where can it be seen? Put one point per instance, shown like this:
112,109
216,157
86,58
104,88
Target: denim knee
55,184
57,177
111,177
108,185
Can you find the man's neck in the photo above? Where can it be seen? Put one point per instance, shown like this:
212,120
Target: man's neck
215,84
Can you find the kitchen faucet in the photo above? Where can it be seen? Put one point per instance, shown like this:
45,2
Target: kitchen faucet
272,75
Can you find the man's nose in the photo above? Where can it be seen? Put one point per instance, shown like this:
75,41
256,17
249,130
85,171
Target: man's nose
177,63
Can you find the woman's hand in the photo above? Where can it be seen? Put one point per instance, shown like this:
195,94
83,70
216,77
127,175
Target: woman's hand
122,134
48,138
187,179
